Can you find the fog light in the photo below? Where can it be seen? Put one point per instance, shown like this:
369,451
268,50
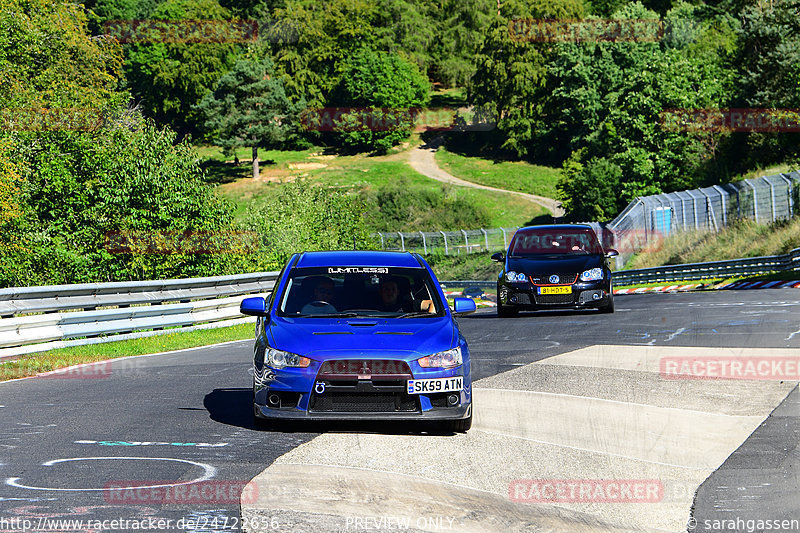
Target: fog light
274,400
596,296
452,399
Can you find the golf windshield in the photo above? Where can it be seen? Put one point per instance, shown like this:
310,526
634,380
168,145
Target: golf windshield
561,241
329,292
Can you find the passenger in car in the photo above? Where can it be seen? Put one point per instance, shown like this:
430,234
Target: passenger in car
391,299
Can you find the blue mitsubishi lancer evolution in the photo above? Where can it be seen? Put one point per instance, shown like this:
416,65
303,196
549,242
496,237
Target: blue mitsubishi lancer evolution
356,335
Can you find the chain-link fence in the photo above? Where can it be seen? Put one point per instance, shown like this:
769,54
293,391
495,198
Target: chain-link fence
460,241
447,242
650,219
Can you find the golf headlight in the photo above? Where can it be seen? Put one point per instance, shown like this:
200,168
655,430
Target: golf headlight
281,359
445,359
515,277
592,275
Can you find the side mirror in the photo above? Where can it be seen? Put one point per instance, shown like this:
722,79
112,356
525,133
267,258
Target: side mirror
463,306
499,257
253,306
611,252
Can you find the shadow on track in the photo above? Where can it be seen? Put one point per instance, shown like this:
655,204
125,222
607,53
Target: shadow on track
234,407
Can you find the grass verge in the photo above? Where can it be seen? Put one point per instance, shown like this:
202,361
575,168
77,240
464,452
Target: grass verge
365,172
32,364
509,175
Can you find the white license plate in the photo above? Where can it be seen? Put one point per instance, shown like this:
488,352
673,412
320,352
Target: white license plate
427,386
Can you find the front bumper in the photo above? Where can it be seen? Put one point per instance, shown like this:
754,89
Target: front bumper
583,295
305,394
455,413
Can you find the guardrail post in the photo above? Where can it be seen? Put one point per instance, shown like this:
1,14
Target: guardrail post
383,246
445,243
485,238
505,241
466,240
424,245
402,241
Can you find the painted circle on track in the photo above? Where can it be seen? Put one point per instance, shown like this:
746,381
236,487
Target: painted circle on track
208,473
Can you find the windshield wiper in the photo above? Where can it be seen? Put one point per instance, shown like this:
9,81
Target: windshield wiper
330,315
415,314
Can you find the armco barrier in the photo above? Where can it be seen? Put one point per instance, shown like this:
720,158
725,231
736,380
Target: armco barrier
47,317
751,266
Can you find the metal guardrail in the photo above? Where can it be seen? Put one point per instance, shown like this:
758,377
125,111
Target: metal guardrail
751,266
47,317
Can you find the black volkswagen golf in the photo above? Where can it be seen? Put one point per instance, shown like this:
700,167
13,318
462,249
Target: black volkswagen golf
556,266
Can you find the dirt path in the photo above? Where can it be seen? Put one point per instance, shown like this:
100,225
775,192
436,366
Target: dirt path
421,159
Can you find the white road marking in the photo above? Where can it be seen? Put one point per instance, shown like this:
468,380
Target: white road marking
209,473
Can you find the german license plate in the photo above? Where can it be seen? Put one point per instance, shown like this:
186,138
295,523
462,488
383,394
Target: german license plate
426,386
562,289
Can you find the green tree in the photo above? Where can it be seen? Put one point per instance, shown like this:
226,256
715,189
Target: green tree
248,107
769,60
385,88
170,79
300,217
605,108
310,40
511,71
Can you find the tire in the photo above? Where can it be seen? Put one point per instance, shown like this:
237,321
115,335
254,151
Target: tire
608,308
506,312
461,426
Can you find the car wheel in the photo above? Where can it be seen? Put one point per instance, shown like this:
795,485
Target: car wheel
506,312
609,308
461,426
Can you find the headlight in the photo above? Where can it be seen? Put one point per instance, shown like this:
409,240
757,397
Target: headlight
516,277
592,275
445,359
281,359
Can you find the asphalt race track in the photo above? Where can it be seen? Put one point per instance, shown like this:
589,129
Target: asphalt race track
588,403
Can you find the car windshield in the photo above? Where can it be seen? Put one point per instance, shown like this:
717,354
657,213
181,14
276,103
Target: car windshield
344,291
547,241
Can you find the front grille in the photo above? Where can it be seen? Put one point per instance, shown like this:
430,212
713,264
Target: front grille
563,279
364,402
365,369
554,299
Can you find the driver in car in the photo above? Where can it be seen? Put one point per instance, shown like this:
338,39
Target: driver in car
320,302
